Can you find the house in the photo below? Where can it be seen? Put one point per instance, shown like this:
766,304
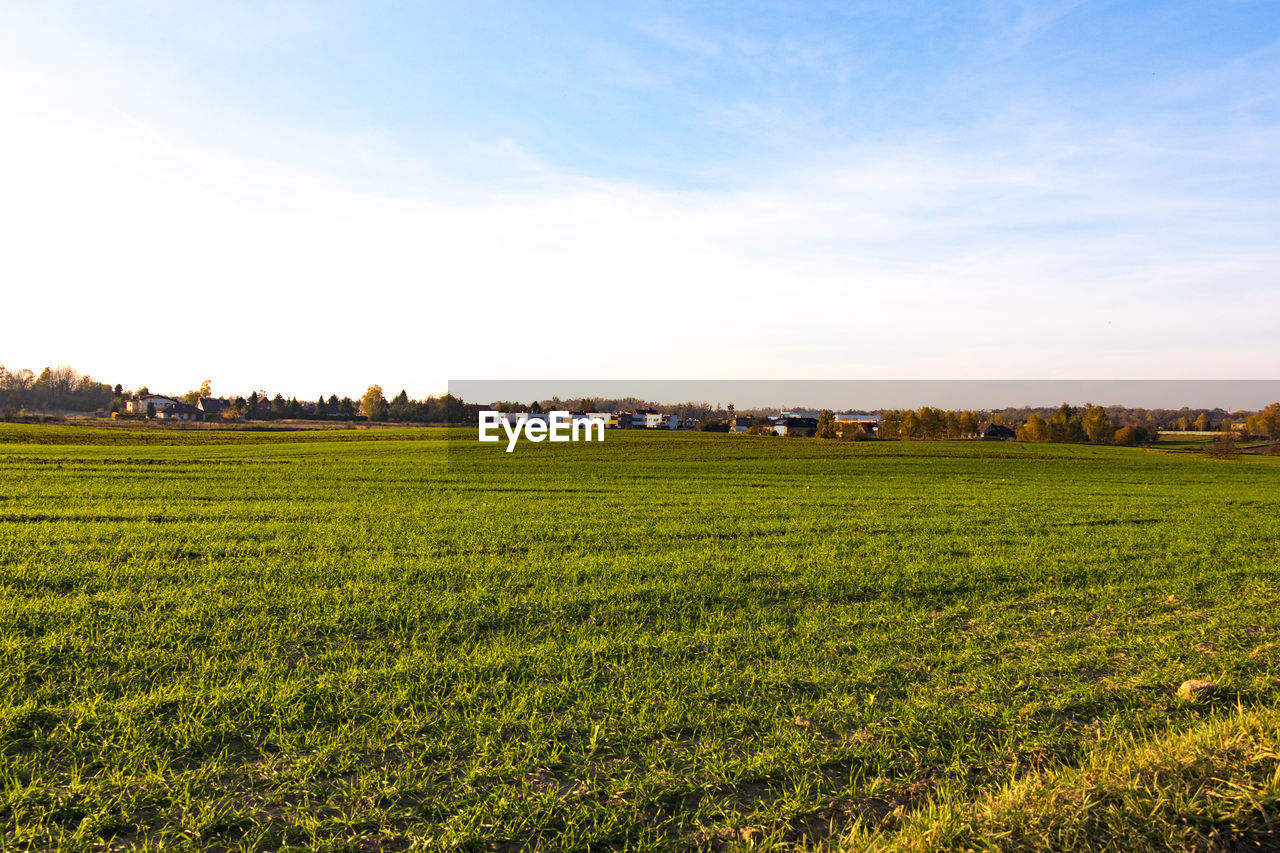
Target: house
741,423
657,420
155,402
212,407
870,424
999,432
796,426
179,412
634,420
610,419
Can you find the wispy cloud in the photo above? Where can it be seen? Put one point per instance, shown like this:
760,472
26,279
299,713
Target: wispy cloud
1038,244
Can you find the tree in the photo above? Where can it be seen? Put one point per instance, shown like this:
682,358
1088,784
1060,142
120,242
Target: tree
1131,436
889,425
279,407
347,407
373,405
909,426
194,396
1202,423
953,425
1035,429
826,424
320,406
933,422
1098,426
401,408
730,412
969,423
1223,447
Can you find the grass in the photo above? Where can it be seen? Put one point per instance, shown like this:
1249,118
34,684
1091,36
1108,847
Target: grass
368,640
1214,788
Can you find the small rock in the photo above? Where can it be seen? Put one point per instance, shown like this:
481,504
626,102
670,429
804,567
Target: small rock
1195,689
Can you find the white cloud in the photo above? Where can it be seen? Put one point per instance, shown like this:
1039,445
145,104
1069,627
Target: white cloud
146,250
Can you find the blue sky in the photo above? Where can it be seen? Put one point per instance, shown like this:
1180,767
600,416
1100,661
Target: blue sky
804,190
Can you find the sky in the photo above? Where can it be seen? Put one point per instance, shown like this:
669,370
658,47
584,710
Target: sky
309,197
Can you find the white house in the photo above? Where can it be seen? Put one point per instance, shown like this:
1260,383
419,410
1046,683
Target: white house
657,420
157,402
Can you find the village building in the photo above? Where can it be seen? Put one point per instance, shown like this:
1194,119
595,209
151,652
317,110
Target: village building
156,402
795,426
178,411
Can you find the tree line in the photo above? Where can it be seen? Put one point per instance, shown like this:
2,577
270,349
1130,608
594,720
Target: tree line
54,389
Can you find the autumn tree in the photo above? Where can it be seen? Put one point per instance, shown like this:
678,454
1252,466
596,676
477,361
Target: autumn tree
1035,429
373,405
1098,426
195,395
826,424
909,426
889,425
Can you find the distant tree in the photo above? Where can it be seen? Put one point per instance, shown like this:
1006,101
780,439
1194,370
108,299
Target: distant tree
279,407
293,409
826,424
535,408
251,406
373,405
1223,447
346,407
1131,436
933,422
194,396
889,425
118,390
953,424
320,412
1098,427
969,423
730,412
1035,429
401,408
1061,427
1202,423
151,410
1075,430
909,426
333,405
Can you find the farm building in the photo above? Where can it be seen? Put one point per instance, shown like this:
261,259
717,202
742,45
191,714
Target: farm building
796,426
999,432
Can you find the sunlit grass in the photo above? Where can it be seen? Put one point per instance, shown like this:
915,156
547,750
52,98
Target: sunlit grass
381,639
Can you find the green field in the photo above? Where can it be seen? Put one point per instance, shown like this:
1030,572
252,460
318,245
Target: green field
382,640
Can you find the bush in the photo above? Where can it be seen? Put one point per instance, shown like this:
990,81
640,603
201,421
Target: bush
1131,436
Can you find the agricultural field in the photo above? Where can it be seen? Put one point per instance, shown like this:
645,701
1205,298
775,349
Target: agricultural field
404,639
